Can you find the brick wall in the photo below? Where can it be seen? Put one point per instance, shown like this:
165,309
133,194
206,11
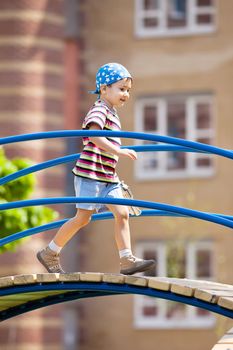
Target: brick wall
31,100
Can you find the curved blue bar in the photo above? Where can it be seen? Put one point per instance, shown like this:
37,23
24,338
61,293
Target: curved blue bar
78,290
120,201
74,157
37,167
95,217
122,134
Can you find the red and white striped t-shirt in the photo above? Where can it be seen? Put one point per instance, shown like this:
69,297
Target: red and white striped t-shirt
95,163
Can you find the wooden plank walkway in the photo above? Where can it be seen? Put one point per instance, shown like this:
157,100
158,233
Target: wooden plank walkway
226,342
21,291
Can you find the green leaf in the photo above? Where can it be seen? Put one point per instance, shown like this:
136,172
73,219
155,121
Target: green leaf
19,219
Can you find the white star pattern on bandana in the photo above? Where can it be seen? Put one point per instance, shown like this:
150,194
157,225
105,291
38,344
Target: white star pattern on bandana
109,74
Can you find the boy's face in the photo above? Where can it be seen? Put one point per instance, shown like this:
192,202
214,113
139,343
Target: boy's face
118,93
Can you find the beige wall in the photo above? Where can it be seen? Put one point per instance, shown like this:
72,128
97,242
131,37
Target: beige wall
161,66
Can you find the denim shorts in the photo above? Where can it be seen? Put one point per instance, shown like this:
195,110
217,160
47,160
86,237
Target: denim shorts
92,188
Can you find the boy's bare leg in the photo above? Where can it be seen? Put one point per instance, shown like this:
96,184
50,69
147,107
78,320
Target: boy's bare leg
122,230
72,226
129,264
49,256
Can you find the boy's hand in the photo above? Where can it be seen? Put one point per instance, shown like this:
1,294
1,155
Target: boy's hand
125,152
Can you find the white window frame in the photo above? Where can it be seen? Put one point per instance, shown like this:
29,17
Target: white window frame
161,322
192,134
192,28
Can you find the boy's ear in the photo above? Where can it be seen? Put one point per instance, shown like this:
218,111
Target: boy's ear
103,88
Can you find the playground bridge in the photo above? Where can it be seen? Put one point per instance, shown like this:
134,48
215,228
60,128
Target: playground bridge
23,293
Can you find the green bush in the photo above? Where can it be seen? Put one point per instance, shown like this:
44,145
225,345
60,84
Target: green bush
19,219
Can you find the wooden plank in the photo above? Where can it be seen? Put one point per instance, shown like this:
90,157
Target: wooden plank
69,277
159,283
136,281
25,279
208,285
91,276
47,277
182,290
223,347
226,339
226,302
211,296
6,281
112,278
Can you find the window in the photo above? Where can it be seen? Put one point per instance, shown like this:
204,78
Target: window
174,17
187,117
193,260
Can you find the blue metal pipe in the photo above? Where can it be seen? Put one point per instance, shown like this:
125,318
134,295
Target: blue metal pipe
74,157
77,290
120,201
95,217
122,134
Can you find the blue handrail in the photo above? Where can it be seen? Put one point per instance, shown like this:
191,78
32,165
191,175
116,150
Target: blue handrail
120,201
74,157
174,145
122,134
95,217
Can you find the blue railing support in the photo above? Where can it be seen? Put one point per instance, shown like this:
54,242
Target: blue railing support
95,217
74,157
119,201
122,134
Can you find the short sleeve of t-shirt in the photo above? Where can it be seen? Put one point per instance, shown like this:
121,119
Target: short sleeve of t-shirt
96,115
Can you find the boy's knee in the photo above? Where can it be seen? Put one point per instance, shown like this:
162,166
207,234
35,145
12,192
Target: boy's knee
86,220
82,220
123,215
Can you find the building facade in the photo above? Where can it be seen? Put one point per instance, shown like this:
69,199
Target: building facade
31,100
180,56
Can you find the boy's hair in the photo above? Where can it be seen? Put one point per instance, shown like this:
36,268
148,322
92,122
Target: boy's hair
108,74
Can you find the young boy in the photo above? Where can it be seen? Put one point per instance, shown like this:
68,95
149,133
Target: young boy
95,175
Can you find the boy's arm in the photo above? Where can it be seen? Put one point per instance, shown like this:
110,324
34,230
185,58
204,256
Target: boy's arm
106,145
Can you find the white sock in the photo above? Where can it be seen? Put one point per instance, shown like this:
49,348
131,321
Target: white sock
125,252
53,246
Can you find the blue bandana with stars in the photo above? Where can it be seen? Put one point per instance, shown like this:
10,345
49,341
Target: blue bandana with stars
108,74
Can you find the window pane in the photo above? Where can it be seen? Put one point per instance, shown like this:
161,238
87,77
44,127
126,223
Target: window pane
176,128
203,312
203,116
176,119
204,19
175,310
204,263
150,118
150,307
204,2
150,4
204,140
176,262
150,161
150,311
150,22
204,162
176,161
176,13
